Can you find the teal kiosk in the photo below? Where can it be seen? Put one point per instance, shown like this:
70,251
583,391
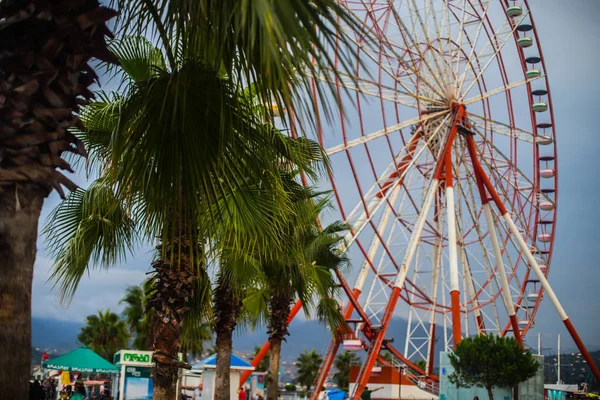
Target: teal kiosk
135,379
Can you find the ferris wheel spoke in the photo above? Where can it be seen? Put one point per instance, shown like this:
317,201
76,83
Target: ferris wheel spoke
499,90
412,74
461,35
374,89
416,46
384,132
508,34
482,124
473,45
430,14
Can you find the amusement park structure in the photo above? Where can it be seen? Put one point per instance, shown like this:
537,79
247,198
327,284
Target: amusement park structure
444,165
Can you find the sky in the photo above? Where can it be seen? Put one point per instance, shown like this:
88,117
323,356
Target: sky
569,36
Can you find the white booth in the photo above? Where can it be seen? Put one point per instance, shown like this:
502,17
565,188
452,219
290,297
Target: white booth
209,364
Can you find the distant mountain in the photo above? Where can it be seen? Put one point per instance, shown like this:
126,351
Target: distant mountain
54,335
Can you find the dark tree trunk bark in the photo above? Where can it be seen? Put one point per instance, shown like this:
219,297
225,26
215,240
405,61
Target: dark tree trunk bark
227,307
173,289
279,305
274,360
490,393
19,213
224,344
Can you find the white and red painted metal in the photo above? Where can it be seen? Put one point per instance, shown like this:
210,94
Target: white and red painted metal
460,212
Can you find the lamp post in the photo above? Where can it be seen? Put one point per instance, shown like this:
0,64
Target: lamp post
401,371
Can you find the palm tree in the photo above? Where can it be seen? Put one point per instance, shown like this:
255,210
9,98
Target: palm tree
263,366
44,79
308,364
305,272
342,363
136,317
148,141
140,320
105,333
194,333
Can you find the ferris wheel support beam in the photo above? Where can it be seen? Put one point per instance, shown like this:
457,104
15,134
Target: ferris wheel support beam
437,259
508,303
376,343
451,212
532,261
481,186
356,291
373,353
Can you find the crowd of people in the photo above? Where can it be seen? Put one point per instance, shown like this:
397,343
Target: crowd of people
48,390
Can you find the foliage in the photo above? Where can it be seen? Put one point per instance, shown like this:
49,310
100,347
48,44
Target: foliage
342,363
279,43
104,333
307,366
305,271
289,387
136,315
139,318
488,361
421,364
263,366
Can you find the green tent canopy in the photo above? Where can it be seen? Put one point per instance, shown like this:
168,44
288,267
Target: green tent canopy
82,360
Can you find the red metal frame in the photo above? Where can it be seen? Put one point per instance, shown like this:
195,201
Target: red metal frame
376,337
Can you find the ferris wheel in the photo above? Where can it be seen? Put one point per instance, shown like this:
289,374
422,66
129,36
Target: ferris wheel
445,168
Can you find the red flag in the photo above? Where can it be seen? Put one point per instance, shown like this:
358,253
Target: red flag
45,356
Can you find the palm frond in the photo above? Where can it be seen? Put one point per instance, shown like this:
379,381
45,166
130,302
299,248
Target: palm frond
91,228
281,43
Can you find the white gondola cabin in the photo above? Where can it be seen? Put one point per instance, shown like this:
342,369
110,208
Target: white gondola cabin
544,237
514,11
547,173
543,140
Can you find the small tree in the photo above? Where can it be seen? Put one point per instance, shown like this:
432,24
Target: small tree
290,387
342,363
488,361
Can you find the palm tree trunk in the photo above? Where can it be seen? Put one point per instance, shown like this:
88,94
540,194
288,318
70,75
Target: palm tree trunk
274,361
19,213
224,344
227,308
490,393
278,327
173,288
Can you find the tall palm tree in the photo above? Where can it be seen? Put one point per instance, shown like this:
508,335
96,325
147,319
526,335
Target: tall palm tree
150,140
105,333
44,79
342,364
279,44
305,271
307,366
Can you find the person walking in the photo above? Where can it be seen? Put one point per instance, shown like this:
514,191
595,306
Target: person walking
366,395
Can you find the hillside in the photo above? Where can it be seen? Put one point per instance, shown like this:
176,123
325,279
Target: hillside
573,369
